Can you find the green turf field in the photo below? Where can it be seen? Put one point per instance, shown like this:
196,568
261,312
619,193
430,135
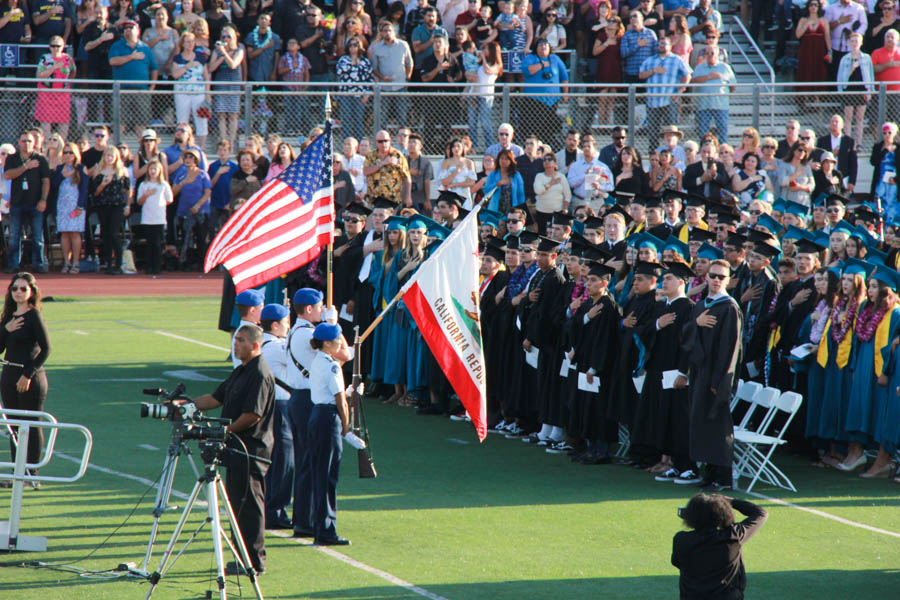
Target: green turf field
456,519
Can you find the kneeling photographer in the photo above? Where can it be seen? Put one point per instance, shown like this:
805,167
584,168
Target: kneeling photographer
247,397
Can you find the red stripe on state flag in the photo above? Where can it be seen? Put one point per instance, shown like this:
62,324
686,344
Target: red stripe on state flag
446,356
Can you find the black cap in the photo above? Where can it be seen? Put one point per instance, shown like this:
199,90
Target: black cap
836,200
545,244
652,202
358,208
638,199
736,239
382,202
766,250
593,222
495,252
864,213
596,254
725,217
511,241
757,236
451,197
528,238
561,218
621,211
669,194
701,235
679,269
648,268
808,247
696,201
601,270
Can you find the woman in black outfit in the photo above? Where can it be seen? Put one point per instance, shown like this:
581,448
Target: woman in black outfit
23,335
709,557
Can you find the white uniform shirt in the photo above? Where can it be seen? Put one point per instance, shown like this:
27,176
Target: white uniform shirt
325,379
274,352
298,347
235,361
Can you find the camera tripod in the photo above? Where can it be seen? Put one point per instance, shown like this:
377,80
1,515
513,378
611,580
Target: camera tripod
211,482
176,448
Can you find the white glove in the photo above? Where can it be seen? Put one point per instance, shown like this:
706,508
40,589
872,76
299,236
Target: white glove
330,314
360,389
354,440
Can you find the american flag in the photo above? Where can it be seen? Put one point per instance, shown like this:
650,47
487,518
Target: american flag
284,225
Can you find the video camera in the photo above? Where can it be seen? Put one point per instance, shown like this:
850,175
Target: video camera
166,410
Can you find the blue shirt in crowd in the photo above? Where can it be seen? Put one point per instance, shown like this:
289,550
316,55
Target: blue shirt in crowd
133,70
665,85
635,55
221,192
549,95
192,192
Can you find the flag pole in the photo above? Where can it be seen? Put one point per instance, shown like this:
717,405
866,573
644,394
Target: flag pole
329,253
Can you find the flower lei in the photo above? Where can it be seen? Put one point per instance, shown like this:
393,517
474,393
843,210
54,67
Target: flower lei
868,321
580,292
839,333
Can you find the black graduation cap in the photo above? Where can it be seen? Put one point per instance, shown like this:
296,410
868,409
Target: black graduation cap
451,198
528,238
652,202
382,202
578,239
596,254
673,194
621,211
701,235
757,236
766,250
494,252
864,213
736,239
511,241
696,201
808,247
725,217
545,244
638,199
836,200
358,208
601,270
593,222
492,239
650,269
679,269
561,218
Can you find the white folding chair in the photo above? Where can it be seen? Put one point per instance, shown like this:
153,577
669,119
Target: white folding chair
757,397
753,449
624,442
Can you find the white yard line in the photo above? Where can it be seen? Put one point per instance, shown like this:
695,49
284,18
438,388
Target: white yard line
193,341
324,549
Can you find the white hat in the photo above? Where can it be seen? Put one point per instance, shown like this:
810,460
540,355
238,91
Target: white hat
149,134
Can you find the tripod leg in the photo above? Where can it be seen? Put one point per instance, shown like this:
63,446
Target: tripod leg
163,494
163,565
243,557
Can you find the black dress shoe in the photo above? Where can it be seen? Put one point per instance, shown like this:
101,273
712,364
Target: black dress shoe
305,533
233,569
335,541
278,524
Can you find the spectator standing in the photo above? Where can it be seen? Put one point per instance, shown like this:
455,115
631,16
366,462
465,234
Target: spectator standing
353,164
530,164
515,33
184,140
355,9
843,146
50,18
184,16
54,107
15,27
29,176
629,175
749,181
315,43
671,137
245,182
457,173
392,63
110,198
794,177
713,102
883,19
844,17
227,65
551,30
505,179
154,195
702,17
609,66
69,185
665,176
220,173
263,50
886,64
190,72
421,173
193,189
282,159
289,16
505,134
132,60
638,45
791,135
216,17
423,36
666,76
293,68
885,161
387,171
856,73
750,145
354,70
571,151
814,34
161,38
589,175
680,38
481,94
551,192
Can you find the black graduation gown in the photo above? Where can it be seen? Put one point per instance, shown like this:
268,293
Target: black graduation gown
595,344
790,319
715,355
623,395
509,355
756,330
552,407
364,313
226,305
490,328
345,276
658,409
541,330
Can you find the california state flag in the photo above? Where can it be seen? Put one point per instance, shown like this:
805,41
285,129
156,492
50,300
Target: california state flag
442,296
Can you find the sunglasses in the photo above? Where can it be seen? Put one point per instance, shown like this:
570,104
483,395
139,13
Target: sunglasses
749,135
503,134
127,27
526,249
68,152
804,137
16,288
181,129
56,45
833,209
718,276
755,213
346,220
383,141
768,147
514,221
99,135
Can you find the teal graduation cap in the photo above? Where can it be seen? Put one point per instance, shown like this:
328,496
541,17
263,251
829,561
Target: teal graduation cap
648,240
396,223
769,222
888,276
676,245
854,266
710,252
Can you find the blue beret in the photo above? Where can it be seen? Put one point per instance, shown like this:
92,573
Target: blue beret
308,296
327,332
274,312
249,298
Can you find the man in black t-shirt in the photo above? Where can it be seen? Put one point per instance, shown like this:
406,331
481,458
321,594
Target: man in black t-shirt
49,18
98,38
29,175
92,156
247,397
315,44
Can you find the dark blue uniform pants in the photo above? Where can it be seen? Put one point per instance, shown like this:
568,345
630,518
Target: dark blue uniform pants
280,477
325,454
300,408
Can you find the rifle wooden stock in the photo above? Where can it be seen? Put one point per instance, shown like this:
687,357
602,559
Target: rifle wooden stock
358,418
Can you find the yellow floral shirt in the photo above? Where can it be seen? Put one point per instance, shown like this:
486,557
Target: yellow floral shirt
388,180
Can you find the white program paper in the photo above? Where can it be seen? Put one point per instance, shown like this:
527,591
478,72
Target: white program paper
565,367
668,379
802,351
531,357
752,370
345,315
584,386
638,383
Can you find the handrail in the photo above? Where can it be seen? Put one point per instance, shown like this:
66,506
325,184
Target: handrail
49,443
759,52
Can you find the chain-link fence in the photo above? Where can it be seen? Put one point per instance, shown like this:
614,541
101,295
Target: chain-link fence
241,109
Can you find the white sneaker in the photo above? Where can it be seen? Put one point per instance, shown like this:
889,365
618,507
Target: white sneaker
689,477
669,475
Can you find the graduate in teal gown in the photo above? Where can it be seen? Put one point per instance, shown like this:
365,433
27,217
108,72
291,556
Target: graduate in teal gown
827,283
876,326
383,278
625,277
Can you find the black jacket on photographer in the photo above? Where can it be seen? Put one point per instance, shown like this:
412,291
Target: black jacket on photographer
251,389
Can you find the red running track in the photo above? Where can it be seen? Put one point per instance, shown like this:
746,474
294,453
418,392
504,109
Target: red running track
99,284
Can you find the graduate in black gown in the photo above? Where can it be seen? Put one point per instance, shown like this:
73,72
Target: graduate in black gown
660,432
593,334
631,353
347,260
712,339
495,277
755,293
